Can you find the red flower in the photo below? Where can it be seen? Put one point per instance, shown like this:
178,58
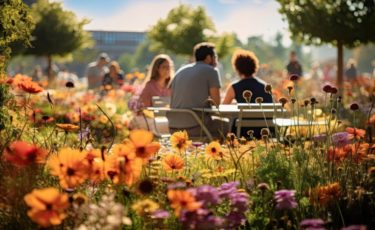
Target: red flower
30,87
22,153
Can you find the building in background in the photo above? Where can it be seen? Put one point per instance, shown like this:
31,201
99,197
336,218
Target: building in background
117,43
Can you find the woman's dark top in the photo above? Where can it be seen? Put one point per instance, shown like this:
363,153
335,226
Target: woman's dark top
256,86
107,80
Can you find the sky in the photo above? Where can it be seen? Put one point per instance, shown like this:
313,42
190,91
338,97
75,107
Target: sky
244,17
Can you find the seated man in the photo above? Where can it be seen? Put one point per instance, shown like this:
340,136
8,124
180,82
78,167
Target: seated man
192,86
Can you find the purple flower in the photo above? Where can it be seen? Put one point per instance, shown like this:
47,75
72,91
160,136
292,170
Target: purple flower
239,201
355,227
235,219
201,219
135,105
340,139
312,224
228,188
285,199
160,214
208,195
83,133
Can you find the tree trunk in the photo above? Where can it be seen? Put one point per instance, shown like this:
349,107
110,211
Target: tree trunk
49,70
340,67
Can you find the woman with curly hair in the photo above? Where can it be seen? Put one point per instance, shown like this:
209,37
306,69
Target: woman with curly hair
246,64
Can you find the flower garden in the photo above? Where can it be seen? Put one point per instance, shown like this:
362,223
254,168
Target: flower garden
69,161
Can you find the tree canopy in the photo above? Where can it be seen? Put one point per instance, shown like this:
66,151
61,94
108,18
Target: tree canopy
16,25
341,23
57,31
184,27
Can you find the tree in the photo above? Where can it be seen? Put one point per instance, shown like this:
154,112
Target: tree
183,28
341,23
15,26
57,32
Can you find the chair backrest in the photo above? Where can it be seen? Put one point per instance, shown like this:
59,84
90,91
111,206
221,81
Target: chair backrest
257,115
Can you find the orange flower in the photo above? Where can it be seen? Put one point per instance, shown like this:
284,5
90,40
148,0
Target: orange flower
180,140
371,120
70,166
30,87
324,195
141,144
181,200
22,153
123,166
214,150
173,162
357,151
67,127
47,206
336,154
356,133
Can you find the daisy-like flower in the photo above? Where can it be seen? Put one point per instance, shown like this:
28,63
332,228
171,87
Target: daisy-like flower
47,206
214,150
140,142
182,200
180,140
324,195
21,153
70,165
356,133
173,162
122,166
30,87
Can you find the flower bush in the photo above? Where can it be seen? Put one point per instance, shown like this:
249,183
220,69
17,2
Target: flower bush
69,161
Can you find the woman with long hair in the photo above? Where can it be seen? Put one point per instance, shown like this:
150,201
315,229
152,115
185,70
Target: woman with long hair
158,78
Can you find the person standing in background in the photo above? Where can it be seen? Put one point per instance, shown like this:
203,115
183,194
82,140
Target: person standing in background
96,70
294,67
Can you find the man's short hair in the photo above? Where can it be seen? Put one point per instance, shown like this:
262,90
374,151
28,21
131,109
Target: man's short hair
245,62
203,49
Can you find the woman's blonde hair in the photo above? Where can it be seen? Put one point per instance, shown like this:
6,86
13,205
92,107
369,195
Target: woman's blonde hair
115,65
153,72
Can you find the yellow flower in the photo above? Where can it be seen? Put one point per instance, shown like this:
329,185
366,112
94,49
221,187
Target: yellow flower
214,150
145,207
47,206
70,165
173,162
180,140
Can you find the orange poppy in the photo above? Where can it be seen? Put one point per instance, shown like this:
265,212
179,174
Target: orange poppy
173,162
122,166
214,150
21,153
180,140
182,200
67,127
70,166
324,195
357,151
140,142
336,154
356,133
47,206
30,87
